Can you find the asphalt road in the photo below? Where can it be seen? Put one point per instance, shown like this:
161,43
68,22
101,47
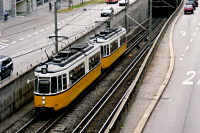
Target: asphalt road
179,107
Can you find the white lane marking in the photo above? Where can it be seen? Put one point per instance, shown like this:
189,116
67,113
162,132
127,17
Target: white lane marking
183,33
191,40
197,28
48,28
62,21
194,34
52,25
4,40
29,36
181,58
36,33
41,30
21,39
187,47
198,24
1,47
183,55
14,42
42,44
4,44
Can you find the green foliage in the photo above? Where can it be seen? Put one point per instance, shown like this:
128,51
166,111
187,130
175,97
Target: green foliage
81,5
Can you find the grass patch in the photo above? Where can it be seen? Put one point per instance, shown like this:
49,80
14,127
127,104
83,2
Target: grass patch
81,5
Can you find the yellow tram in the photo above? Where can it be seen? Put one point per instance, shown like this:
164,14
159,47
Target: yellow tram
63,77
113,44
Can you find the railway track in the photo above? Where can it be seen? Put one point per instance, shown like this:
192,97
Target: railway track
86,124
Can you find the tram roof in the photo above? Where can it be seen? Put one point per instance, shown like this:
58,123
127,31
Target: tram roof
57,62
107,34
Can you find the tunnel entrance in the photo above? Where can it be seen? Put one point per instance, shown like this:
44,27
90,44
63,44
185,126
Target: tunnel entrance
164,8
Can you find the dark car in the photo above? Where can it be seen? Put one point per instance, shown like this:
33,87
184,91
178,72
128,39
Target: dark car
107,11
191,3
196,2
188,9
6,67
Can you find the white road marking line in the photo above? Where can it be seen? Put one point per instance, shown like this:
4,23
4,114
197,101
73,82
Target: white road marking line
4,40
183,33
13,42
41,30
52,25
183,55
181,58
62,21
36,33
198,24
4,44
191,40
29,36
48,28
1,47
187,47
194,34
42,44
21,39
197,28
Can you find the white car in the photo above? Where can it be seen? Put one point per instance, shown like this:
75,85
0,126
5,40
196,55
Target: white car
123,2
107,11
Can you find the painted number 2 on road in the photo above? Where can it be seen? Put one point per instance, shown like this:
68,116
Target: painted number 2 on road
190,80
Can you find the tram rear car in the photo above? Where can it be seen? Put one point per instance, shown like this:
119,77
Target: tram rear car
113,44
59,81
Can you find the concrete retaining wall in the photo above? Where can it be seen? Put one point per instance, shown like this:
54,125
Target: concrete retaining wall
19,92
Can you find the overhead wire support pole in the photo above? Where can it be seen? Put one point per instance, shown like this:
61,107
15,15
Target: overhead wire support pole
150,22
56,27
126,26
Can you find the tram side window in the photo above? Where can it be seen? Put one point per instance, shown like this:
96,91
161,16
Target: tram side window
53,84
113,46
36,84
44,86
60,83
94,61
122,40
104,50
76,73
64,81
107,49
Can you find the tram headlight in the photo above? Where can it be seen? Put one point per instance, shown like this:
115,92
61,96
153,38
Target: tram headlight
43,98
43,102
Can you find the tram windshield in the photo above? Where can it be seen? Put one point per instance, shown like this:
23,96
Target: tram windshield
44,86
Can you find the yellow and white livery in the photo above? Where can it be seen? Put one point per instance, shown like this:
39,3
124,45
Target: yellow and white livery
113,44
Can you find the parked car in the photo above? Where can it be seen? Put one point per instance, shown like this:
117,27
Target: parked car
6,66
191,3
196,2
188,9
107,11
111,1
123,2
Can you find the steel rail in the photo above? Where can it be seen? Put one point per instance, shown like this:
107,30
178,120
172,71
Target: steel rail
95,110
